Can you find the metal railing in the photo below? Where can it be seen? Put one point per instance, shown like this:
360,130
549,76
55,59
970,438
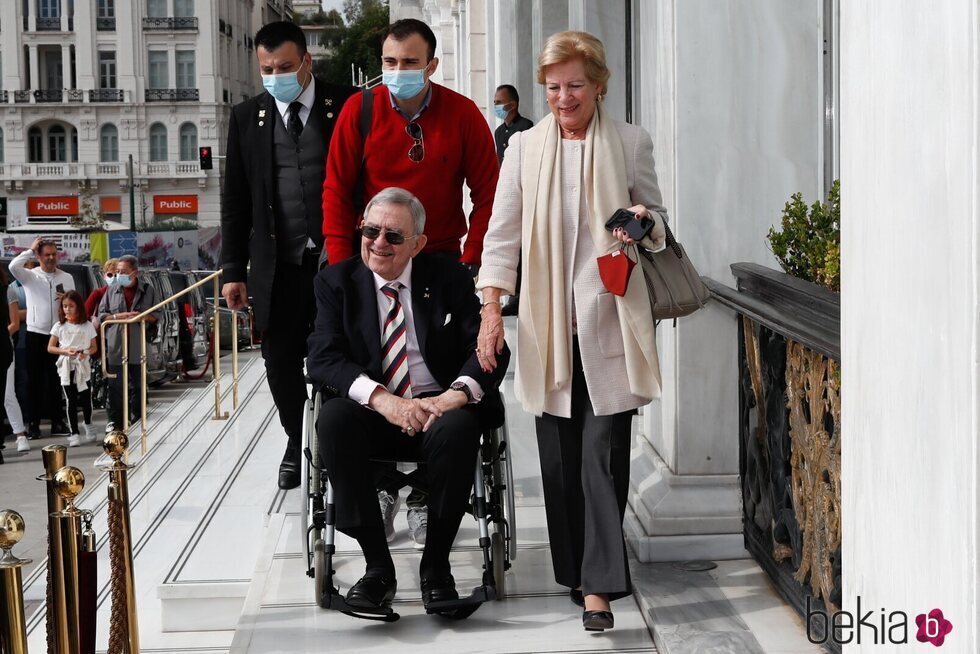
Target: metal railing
52,24
170,23
172,95
105,24
105,95
47,95
142,320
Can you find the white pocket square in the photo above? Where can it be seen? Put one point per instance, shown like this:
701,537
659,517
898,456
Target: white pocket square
449,317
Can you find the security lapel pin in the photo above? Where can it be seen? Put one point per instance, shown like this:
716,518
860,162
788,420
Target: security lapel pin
328,102
261,123
261,113
426,293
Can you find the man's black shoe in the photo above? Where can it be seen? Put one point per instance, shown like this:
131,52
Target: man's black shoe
438,588
59,428
34,431
289,468
372,592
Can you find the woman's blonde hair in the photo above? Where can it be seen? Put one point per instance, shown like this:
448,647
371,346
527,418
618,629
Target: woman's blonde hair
566,46
110,264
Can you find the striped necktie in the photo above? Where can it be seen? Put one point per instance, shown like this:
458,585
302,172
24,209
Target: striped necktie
394,345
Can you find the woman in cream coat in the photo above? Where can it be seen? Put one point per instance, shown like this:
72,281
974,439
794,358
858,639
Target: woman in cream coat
586,359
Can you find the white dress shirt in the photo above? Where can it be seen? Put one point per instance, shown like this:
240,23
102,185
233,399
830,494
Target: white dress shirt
421,378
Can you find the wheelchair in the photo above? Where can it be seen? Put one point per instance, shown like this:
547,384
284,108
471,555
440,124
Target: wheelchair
492,506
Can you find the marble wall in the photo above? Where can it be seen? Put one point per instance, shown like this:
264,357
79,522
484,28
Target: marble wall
911,382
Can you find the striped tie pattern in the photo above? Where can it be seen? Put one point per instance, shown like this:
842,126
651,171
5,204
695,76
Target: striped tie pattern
394,345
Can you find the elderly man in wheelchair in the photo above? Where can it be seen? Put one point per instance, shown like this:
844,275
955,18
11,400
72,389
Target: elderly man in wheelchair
393,352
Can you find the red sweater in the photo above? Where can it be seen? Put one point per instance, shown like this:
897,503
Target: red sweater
458,147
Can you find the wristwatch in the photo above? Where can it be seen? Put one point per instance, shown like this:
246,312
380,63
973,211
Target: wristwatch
462,387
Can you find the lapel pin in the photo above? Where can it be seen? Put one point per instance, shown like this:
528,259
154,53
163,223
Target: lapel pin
261,113
329,114
328,102
261,123
426,294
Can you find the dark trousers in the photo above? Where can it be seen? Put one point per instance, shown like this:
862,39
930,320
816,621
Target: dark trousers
284,342
114,401
22,383
45,387
351,435
585,466
76,399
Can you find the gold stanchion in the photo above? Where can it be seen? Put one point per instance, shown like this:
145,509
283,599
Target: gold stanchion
142,388
54,458
124,623
68,482
13,627
125,376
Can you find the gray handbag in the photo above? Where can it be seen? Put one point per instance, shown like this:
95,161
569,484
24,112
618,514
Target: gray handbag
674,285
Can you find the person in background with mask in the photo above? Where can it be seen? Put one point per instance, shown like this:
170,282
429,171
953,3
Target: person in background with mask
428,140
127,297
506,102
270,214
95,297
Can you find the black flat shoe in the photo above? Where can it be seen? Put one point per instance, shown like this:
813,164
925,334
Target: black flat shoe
374,592
597,620
438,588
576,596
289,469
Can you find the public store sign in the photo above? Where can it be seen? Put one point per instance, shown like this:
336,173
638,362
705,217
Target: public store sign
171,204
53,206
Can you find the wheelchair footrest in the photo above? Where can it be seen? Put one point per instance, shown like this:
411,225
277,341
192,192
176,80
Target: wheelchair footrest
334,601
464,607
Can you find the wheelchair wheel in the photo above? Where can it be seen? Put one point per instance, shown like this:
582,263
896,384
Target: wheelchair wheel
510,509
310,492
498,556
319,570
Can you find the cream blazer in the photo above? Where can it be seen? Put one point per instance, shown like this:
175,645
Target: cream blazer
591,309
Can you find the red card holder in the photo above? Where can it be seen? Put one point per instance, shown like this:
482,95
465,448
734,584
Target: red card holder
614,270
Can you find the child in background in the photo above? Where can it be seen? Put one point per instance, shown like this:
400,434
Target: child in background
73,339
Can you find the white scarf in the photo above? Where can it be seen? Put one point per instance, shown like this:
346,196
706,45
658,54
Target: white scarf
544,352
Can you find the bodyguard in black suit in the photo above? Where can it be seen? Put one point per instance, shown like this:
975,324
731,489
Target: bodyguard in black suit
395,343
271,215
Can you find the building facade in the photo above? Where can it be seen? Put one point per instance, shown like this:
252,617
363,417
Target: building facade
89,84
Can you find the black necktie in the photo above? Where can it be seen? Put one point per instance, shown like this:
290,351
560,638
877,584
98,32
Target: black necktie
294,125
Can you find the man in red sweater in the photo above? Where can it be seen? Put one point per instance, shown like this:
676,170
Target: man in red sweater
424,138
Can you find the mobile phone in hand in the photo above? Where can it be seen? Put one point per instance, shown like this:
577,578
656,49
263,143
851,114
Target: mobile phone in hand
638,229
60,288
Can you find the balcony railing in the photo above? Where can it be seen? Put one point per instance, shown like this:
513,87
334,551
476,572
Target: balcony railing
172,95
48,24
47,95
4,97
105,95
790,433
107,170
22,96
170,23
105,23
75,95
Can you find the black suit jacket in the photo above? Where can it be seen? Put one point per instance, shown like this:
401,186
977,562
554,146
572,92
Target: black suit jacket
346,340
248,225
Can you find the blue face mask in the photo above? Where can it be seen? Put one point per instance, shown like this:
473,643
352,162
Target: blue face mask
284,87
122,279
501,111
404,84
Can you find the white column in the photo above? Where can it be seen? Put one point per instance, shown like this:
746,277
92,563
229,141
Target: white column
31,15
910,141
66,65
730,94
63,15
11,49
35,67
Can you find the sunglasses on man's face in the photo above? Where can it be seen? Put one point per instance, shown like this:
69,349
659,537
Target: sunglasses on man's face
417,152
372,232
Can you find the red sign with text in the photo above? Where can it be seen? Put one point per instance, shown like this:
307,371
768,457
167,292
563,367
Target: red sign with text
174,204
54,206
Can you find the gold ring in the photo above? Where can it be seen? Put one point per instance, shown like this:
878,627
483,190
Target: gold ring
410,430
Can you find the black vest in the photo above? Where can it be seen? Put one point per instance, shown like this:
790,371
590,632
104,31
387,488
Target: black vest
299,170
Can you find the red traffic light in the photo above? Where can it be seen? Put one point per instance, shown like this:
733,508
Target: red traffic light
205,155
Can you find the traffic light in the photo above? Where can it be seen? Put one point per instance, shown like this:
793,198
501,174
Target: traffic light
205,154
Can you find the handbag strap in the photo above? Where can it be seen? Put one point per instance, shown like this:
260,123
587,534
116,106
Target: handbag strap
671,241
